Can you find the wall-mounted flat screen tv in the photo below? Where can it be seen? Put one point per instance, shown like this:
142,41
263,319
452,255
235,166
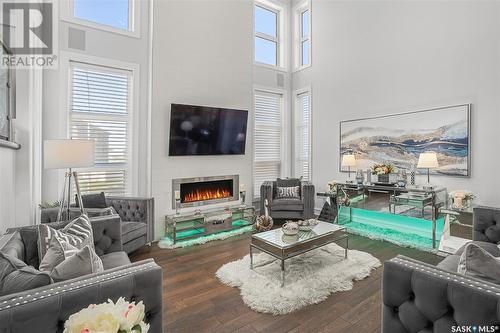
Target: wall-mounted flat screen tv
202,130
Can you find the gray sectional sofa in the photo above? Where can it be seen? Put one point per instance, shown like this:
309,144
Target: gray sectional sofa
46,308
419,297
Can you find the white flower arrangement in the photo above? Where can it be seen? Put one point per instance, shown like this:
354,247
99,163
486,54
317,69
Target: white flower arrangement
119,317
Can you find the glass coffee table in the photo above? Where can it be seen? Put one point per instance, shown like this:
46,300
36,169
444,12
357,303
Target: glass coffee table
282,247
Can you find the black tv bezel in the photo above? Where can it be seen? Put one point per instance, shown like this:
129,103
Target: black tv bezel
210,107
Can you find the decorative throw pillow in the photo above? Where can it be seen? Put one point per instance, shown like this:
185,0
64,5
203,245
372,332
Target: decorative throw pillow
288,192
16,276
476,262
97,200
64,261
288,182
93,212
77,233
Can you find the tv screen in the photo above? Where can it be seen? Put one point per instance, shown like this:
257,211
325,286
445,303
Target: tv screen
201,130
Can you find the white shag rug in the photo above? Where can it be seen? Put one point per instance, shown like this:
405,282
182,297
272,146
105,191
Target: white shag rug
310,278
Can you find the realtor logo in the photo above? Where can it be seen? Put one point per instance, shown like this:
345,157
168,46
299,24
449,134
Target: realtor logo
29,34
27,27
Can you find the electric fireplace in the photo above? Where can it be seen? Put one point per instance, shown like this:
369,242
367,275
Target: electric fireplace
205,190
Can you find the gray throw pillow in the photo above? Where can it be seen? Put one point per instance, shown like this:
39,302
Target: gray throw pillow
478,263
288,192
16,276
77,233
93,212
58,251
95,200
288,182
64,261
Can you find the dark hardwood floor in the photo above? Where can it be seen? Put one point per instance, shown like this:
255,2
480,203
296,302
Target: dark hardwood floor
195,301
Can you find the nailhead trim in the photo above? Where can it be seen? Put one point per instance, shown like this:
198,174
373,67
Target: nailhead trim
448,275
56,290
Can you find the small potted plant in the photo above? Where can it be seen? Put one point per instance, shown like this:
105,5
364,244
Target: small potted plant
384,172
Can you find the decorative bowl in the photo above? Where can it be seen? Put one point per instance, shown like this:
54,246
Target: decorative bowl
290,228
307,225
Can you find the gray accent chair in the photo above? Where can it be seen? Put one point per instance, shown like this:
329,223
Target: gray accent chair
288,208
45,309
137,217
419,297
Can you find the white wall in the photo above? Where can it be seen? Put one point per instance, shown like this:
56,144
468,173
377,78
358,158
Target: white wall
7,187
376,58
108,46
202,55
18,167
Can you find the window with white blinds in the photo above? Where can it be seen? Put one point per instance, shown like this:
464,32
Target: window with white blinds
100,110
268,133
303,136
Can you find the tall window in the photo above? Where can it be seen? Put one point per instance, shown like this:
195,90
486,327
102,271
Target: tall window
116,14
305,42
100,110
303,136
267,35
268,132
302,35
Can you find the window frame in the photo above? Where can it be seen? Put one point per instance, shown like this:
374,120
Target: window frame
284,151
133,125
298,11
68,14
296,108
280,32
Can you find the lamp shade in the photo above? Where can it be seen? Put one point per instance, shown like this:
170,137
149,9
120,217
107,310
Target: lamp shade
64,154
427,160
348,160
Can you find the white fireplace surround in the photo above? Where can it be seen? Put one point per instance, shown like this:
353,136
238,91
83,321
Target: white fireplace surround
176,186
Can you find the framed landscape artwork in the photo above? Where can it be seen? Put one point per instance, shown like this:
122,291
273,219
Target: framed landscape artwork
400,138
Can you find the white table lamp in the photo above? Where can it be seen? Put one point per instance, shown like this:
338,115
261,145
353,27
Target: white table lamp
427,161
68,154
348,160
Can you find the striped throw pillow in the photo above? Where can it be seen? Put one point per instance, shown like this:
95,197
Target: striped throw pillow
288,192
77,233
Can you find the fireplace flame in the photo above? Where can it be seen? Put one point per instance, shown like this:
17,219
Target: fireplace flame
207,194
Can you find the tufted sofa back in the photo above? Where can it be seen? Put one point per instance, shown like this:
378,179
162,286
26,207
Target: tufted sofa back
487,224
131,209
418,297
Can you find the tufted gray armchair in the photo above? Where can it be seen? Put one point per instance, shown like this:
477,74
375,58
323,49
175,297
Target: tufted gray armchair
136,214
288,208
418,297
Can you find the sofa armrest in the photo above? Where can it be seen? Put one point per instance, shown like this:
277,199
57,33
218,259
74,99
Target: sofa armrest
46,309
307,195
420,297
266,192
136,210
107,232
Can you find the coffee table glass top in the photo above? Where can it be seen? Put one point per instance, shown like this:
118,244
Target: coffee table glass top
276,237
